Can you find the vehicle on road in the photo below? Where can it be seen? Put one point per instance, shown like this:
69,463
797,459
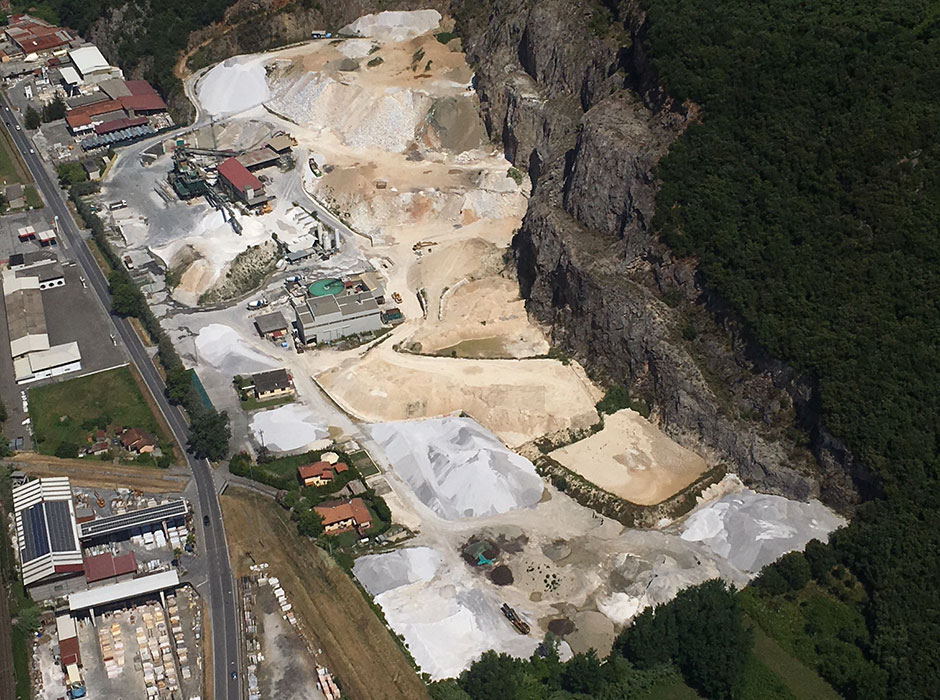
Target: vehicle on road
234,675
205,520
258,303
18,128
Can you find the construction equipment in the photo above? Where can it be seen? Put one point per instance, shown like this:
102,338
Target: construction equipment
420,245
99,500
522,627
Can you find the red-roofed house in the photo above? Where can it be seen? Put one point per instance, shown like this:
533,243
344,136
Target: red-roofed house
241,183
79,123
343,516
320,473
99,567
139,441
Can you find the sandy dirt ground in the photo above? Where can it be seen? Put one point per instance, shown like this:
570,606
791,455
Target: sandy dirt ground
356,646
519,400
633,459
94,473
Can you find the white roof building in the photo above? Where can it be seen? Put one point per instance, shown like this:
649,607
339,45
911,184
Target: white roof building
104,595
46,531
91,64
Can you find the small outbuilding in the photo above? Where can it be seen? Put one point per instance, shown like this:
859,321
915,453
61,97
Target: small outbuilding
271,326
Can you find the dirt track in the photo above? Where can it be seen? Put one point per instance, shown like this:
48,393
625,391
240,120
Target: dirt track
94,473
356,646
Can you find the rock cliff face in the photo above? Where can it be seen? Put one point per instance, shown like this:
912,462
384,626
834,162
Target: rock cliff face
575,102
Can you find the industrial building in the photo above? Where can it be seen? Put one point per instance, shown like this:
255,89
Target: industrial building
32,35
272,326
240,183
92,66
327,318
33,357
46,532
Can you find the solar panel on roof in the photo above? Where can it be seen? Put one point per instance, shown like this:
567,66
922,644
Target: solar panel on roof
35,537
61,536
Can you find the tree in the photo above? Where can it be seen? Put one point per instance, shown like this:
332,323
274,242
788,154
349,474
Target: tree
209,433
794,569
32,118
126,298
179,385
310,523
71,173
493,676
54,110
582,673
66,450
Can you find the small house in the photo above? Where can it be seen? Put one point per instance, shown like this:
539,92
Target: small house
343,516
320,473
272,385
138,441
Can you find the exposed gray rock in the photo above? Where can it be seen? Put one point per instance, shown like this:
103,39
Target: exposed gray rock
587,117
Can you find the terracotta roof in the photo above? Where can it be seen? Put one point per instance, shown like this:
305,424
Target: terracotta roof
340,467
143,102
96,108
324,470
238,176
118,124
336,513
99,567
68,651
139,87
136,438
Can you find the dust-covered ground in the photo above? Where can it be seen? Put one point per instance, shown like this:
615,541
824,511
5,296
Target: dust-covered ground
633,459
559,565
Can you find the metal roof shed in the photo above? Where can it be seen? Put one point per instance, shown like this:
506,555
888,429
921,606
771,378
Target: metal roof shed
83,600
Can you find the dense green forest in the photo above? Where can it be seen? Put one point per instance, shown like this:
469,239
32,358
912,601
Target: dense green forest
810,195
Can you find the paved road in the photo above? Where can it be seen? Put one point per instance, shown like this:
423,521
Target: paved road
222,593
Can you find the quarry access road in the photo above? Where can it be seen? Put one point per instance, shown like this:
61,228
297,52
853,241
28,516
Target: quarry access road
223,617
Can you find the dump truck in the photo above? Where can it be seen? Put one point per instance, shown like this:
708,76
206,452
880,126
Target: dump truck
522,627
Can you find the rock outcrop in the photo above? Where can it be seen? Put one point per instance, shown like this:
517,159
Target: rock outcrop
576,103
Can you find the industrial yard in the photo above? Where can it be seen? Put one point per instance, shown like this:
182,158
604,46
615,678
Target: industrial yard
342,221
111,564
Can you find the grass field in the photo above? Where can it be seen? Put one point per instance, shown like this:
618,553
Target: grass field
253,404
67,412
11,167
33,200
674,690
363,462
357,647
801,681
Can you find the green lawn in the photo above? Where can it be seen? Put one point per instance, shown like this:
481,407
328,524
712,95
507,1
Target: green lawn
253,404
801,681
673,690
363,462
32,197
11,168
68,412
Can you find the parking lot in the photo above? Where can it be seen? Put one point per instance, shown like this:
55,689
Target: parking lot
72,313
